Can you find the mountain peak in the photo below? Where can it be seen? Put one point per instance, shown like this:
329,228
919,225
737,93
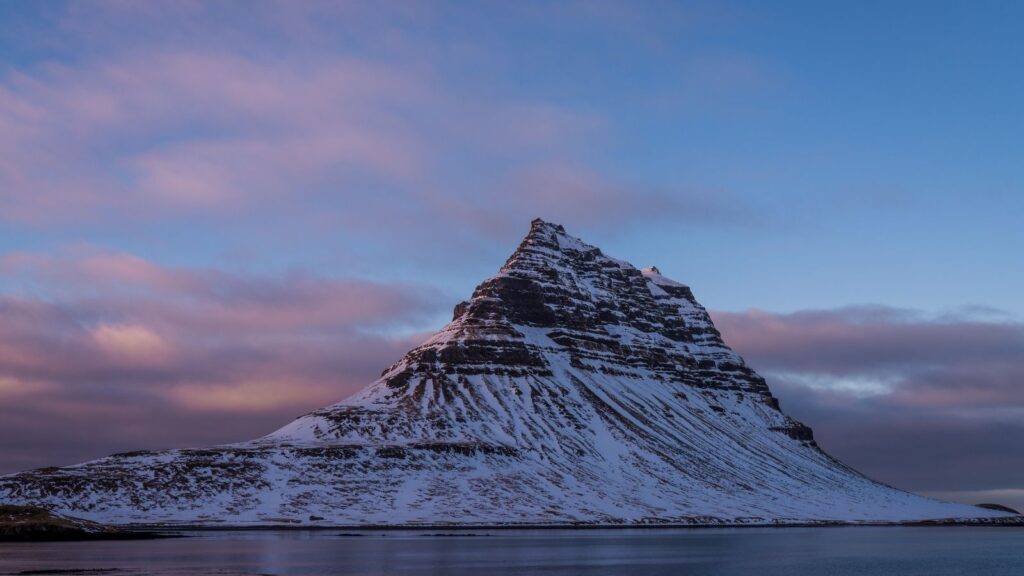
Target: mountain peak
548,245
538,223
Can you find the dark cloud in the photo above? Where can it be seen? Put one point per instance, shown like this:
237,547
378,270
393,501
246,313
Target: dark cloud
930,404
856,340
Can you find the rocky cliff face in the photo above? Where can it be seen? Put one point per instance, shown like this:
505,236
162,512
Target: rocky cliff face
571,388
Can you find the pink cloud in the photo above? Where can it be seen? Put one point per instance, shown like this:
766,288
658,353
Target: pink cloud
858,339
203,299
132,344
163,133
165,343
253,395
278,130
85,267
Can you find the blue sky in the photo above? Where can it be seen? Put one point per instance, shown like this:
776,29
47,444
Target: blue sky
867,152
855,168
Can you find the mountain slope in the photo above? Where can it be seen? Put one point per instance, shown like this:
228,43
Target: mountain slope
571,388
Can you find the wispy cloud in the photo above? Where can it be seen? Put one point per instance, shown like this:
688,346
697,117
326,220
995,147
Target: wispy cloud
173,110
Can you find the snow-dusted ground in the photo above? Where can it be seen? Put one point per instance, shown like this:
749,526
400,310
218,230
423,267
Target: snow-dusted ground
572,388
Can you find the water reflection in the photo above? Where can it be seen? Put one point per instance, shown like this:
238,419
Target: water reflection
656,552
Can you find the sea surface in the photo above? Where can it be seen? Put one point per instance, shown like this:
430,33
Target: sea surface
838,551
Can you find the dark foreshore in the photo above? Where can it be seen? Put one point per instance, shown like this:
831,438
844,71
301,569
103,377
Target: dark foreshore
34,524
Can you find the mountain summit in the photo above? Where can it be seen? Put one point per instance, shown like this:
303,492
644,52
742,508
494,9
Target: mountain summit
571,388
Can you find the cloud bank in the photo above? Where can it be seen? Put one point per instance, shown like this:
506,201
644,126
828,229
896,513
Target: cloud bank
115,352
930,404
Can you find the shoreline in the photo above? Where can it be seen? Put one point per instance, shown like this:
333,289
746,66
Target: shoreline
1012,522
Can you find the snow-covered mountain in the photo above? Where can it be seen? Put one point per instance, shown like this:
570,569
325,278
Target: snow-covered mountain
571,388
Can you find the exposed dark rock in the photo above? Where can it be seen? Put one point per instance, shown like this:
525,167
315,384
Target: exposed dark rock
34,524
999,507
796,431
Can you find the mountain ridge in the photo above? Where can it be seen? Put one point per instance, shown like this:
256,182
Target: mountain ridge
571,388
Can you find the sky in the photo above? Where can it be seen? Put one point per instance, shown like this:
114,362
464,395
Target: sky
216,216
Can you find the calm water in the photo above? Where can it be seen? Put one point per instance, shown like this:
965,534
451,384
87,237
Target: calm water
765,552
